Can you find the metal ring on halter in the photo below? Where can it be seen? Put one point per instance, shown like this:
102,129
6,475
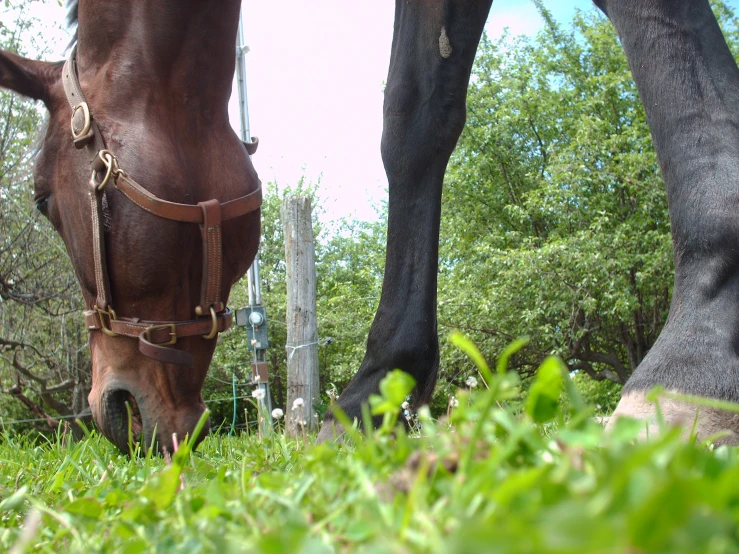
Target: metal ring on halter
214,330
111,168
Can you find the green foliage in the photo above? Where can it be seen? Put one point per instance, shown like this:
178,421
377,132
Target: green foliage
555,219
603,395
349,264
483,480
394,389
43,351
543,400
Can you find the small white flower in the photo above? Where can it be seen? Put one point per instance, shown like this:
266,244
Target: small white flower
471,382
256,378
547,457
405,405
258,394
297,403
453,402
253,342
277,413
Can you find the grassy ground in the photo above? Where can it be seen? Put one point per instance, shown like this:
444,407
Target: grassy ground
485,480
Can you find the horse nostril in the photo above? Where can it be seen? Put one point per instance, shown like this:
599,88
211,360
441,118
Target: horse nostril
122,422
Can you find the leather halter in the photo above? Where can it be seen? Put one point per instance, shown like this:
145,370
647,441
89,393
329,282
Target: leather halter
155,338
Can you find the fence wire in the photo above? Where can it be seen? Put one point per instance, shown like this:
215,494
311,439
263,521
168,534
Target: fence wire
41,419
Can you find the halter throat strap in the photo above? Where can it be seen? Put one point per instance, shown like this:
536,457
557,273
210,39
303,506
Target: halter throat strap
155,338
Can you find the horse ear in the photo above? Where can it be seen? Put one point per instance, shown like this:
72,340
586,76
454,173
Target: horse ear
30,78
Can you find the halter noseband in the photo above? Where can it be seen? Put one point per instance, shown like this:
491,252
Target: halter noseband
154,337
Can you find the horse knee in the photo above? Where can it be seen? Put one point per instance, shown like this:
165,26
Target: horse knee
420,127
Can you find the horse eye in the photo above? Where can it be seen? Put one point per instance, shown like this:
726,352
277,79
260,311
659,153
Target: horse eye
42,204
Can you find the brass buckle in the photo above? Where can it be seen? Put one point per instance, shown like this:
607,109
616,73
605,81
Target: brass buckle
214,329
110,312
172,333
87,123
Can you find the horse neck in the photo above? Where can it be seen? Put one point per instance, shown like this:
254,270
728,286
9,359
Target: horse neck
186,46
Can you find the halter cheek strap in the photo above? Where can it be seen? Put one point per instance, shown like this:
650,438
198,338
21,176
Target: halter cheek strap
155,338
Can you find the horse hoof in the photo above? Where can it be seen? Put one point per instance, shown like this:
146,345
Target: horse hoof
330,431
702,422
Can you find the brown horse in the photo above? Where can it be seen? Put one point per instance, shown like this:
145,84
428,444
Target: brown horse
169,220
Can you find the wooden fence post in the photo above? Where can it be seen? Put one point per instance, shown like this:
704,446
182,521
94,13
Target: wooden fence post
302,323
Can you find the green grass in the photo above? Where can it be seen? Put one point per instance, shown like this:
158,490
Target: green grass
485,480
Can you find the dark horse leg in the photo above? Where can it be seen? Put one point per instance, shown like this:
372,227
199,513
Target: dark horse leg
689,85
434,45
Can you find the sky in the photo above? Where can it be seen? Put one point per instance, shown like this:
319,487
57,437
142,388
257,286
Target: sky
317,109
315,72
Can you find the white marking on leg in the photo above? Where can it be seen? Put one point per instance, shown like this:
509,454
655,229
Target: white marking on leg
445,47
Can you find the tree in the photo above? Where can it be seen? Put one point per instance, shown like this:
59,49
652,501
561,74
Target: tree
555,221
43,346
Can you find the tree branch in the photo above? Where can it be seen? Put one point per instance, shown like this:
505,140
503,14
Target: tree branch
16,392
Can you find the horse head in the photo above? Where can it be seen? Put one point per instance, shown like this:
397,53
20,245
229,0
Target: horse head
154,195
